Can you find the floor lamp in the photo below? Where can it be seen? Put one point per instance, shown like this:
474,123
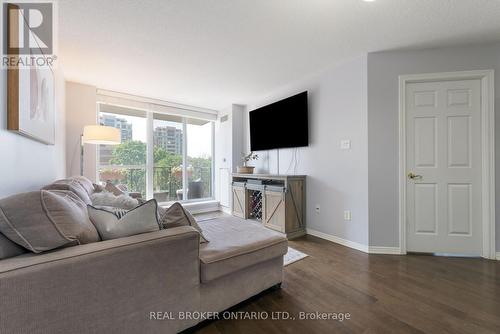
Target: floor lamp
98,134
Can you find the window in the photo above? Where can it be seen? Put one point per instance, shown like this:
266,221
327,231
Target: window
168,140
199,159
124,165
162,156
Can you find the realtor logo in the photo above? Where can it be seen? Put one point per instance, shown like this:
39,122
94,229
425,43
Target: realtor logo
29,28
28,33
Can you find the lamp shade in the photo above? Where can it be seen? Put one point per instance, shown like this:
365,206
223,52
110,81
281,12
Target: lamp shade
99,134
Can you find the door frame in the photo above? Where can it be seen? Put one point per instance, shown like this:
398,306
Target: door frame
487,150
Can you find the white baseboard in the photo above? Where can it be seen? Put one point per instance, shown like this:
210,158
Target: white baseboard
355,245
498,256
384,250
337,240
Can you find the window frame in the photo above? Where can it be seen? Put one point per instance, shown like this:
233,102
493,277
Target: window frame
149,165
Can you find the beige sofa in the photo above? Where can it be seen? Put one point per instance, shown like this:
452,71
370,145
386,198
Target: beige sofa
149,283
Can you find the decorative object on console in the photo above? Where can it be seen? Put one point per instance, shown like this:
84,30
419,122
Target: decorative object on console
98,134
111,225
247,158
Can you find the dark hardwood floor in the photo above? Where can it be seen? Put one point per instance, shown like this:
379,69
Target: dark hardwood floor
382,293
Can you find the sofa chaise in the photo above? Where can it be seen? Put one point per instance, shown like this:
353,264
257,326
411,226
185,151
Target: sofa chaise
158,282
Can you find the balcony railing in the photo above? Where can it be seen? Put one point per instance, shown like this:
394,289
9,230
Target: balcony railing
167,181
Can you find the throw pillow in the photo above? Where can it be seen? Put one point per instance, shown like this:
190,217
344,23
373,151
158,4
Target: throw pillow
46,219
70,185
98,188
108,199
85,183
120,223
175,216
110,187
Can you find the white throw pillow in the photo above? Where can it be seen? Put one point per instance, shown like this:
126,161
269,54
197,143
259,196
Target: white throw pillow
118,223
108,199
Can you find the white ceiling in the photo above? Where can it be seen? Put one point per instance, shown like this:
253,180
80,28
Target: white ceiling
211,53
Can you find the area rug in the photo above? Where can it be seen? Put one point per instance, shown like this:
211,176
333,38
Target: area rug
292,256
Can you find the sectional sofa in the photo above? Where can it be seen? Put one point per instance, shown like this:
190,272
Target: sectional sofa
157,282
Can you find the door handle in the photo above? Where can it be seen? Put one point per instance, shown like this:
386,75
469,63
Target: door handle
414,176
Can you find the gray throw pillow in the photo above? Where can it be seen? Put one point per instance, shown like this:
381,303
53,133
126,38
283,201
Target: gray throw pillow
119,223
175,216
46,219
85,183
70,185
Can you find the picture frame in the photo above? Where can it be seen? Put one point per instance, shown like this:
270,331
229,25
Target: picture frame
30,91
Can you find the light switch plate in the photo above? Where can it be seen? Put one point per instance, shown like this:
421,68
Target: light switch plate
345,144
347,215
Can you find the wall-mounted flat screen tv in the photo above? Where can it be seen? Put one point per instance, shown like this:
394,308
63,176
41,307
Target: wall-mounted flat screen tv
282,124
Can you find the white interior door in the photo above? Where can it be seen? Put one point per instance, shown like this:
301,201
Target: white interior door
443,160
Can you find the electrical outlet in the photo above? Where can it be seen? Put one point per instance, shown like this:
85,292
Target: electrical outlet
347,215
318,209
345,144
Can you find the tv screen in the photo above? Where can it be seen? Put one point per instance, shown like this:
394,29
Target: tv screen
282,124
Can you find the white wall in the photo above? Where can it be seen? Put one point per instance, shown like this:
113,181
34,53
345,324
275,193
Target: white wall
383,71
337,179
81,110
26,164
228,149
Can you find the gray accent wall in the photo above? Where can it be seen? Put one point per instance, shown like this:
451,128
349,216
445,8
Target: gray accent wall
383,71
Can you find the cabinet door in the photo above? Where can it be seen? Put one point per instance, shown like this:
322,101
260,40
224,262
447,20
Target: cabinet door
295,206
274,210
239,202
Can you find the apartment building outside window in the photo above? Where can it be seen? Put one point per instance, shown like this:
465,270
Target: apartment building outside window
162,156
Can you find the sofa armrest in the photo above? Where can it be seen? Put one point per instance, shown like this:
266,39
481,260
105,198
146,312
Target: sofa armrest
109,286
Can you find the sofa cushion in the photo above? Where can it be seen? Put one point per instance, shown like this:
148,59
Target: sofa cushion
9,249
120,223
70,185
46,219
85,183
235,244
176,215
